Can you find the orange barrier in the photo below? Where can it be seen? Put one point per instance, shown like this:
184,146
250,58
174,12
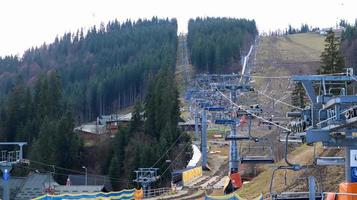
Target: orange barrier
138,194
347,188
236,180
331,196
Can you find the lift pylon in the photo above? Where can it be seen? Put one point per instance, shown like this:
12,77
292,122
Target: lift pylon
8,160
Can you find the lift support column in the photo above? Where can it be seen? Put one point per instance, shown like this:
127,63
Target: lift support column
196,125
233,151
204,139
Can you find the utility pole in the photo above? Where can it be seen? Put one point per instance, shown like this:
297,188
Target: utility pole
86,175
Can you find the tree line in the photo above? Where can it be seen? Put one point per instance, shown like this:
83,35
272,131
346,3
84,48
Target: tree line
217,44
102,70
82,76
349,44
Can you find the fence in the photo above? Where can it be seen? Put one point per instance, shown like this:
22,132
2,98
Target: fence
157,192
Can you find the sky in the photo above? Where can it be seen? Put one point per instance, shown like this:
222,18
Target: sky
28,23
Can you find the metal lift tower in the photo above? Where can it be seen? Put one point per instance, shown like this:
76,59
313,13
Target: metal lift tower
8,160
333,115
145,177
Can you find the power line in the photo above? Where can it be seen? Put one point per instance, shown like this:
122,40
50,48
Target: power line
172,145
76,171
178,155
62,174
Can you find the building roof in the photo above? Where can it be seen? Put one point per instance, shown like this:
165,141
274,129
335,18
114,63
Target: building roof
34,186
115,118
80,180
15,184
78,189
90,128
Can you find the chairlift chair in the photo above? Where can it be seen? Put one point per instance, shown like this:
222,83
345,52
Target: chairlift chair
225,121
258,159
328,160
293,137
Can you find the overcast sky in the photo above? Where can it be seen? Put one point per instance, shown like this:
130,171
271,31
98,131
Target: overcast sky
27,23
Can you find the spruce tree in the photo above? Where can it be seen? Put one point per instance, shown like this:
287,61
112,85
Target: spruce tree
331,58
136,121
298,97
114,172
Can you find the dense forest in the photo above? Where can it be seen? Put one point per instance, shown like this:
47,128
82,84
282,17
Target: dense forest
217,44
84,75
349,45
102,70
155,140
44,120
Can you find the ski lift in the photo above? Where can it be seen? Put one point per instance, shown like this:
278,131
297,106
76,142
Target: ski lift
315,188
225,121
328,160
254,159
292,138
243,137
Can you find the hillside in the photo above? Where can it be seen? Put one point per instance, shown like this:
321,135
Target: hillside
285,56
103,70
217,44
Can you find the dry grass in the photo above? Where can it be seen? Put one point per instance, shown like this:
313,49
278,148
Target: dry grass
285,56
261,183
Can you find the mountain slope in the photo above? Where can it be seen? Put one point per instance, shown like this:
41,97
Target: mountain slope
102,70
286,56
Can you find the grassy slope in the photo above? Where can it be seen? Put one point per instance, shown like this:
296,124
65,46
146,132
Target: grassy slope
285,56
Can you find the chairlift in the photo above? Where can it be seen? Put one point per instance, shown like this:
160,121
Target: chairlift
314,184
224,121
241,137
258,159
329,161
292,138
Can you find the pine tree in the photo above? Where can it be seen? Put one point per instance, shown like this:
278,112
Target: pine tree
136,121
16,110
67,145
298,97
331,58
114,172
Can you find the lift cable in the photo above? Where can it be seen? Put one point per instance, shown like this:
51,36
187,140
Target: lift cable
172,161
277,100
172,145
288,77
265,120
